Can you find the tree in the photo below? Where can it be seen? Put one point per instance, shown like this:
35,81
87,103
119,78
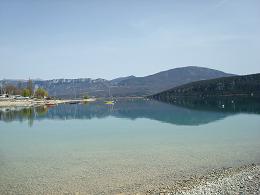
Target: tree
1,88
30,87
86,97
25,92
41,93
11,90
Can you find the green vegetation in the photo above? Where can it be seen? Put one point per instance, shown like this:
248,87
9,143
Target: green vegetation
25,93
85,97
40,93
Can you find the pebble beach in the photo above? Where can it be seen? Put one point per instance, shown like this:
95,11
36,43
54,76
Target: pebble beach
232,180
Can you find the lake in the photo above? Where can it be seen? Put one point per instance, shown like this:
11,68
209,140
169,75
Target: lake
131,146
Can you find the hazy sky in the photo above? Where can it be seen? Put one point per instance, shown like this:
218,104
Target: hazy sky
71,38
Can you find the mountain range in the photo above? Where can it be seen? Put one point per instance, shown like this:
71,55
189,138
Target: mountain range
123,86
234,86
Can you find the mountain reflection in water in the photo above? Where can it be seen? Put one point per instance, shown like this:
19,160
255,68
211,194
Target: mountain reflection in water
180,112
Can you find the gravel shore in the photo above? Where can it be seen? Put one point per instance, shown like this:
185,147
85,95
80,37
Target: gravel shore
238,180
231,181
31,102
19,103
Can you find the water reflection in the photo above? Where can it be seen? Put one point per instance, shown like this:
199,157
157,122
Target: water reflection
224,104
179,112
22,114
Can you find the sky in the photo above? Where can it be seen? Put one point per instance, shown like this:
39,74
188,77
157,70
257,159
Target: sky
112,38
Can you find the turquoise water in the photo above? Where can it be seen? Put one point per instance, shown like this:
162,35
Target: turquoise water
131,146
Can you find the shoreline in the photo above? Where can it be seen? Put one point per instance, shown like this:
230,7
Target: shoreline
232,180
6,103
34,103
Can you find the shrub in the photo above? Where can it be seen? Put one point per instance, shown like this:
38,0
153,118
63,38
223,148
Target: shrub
40,93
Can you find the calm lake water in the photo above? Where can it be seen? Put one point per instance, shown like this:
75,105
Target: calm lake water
131,146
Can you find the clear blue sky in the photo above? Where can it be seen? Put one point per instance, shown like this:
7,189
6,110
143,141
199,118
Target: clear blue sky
70,39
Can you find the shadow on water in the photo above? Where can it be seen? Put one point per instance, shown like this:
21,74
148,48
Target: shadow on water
179,112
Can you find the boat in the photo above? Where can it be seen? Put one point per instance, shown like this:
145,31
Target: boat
110,102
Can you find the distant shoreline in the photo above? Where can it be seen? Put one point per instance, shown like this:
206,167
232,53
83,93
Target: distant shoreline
8,102
34,103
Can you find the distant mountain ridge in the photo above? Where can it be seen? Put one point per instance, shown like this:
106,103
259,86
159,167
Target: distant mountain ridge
173,77
235,86
123,86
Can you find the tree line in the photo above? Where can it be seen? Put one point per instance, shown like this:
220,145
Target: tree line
27,91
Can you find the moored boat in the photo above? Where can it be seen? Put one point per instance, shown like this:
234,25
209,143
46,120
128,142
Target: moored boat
110,102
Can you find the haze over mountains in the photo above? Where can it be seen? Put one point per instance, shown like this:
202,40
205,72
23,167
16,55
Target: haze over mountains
123,86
